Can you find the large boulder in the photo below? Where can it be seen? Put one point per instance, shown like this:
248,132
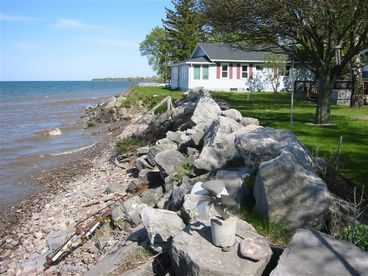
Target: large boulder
220,127
169,161
233,114
287,193
311,252
207,110
161,226
212,158
193,253
263,144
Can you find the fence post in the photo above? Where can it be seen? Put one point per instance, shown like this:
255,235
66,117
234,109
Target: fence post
338,155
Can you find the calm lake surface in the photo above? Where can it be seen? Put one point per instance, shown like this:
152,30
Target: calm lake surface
28,108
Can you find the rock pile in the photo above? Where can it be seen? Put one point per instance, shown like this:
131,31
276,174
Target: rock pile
110,111
201,141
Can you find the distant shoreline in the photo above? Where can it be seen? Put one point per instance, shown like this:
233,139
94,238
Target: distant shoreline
138,79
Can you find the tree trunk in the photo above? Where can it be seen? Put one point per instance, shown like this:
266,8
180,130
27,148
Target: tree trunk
357,93
324,98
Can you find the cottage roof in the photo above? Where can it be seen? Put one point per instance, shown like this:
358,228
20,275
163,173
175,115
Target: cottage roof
224,52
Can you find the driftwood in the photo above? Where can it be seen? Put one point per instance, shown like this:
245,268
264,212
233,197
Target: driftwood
113,196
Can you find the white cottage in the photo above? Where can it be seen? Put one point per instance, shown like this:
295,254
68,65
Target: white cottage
215,66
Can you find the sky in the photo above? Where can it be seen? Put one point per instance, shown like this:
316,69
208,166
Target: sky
75,39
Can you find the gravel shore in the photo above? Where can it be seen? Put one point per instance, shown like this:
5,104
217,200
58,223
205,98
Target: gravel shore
26,228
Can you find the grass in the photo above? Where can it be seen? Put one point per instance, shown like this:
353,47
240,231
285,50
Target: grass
128,145
150,96
273,110
185,169
275,233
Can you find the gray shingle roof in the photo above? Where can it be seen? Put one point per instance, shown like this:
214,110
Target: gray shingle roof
217,51
198,59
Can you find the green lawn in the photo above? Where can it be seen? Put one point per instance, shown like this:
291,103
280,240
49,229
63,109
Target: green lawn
273,110
150,96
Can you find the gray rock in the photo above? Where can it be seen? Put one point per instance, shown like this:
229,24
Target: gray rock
287,193
142,151
101,242
193,154
233,114
168,161
207,110
179,137
142,163
161,226
152,152
109,104
108,264
212,158
193,253
151,196
134,185
179,190
234,181
115,188
56,239
264,144
117,214
197,134
246,121
220,127
166,144
311,252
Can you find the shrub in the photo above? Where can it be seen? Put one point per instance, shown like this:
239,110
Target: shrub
185,169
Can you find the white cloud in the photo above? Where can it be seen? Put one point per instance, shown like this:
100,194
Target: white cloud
72,23
109,41
15,18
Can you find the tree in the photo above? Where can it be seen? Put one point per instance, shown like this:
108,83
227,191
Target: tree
183,25
277,62
155,47
310,32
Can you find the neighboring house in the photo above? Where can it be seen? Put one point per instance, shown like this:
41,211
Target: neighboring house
215,66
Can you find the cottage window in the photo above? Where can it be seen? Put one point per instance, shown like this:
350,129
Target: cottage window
205,72
224,71
259,67
244,71
197,72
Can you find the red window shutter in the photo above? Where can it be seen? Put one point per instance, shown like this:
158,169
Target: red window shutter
218,70
251,70
231,70
238,71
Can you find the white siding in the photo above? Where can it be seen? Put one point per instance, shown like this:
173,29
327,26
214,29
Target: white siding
179,77
182,77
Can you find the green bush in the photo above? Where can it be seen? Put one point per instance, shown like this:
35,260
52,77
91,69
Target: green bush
128,144
357,235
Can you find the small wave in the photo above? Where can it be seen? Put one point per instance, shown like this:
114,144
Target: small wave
72,151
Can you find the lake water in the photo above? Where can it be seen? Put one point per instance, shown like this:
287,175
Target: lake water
28,108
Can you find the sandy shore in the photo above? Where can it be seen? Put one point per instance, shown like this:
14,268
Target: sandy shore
59,207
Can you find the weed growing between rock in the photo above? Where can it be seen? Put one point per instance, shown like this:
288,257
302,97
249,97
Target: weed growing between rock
128,144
